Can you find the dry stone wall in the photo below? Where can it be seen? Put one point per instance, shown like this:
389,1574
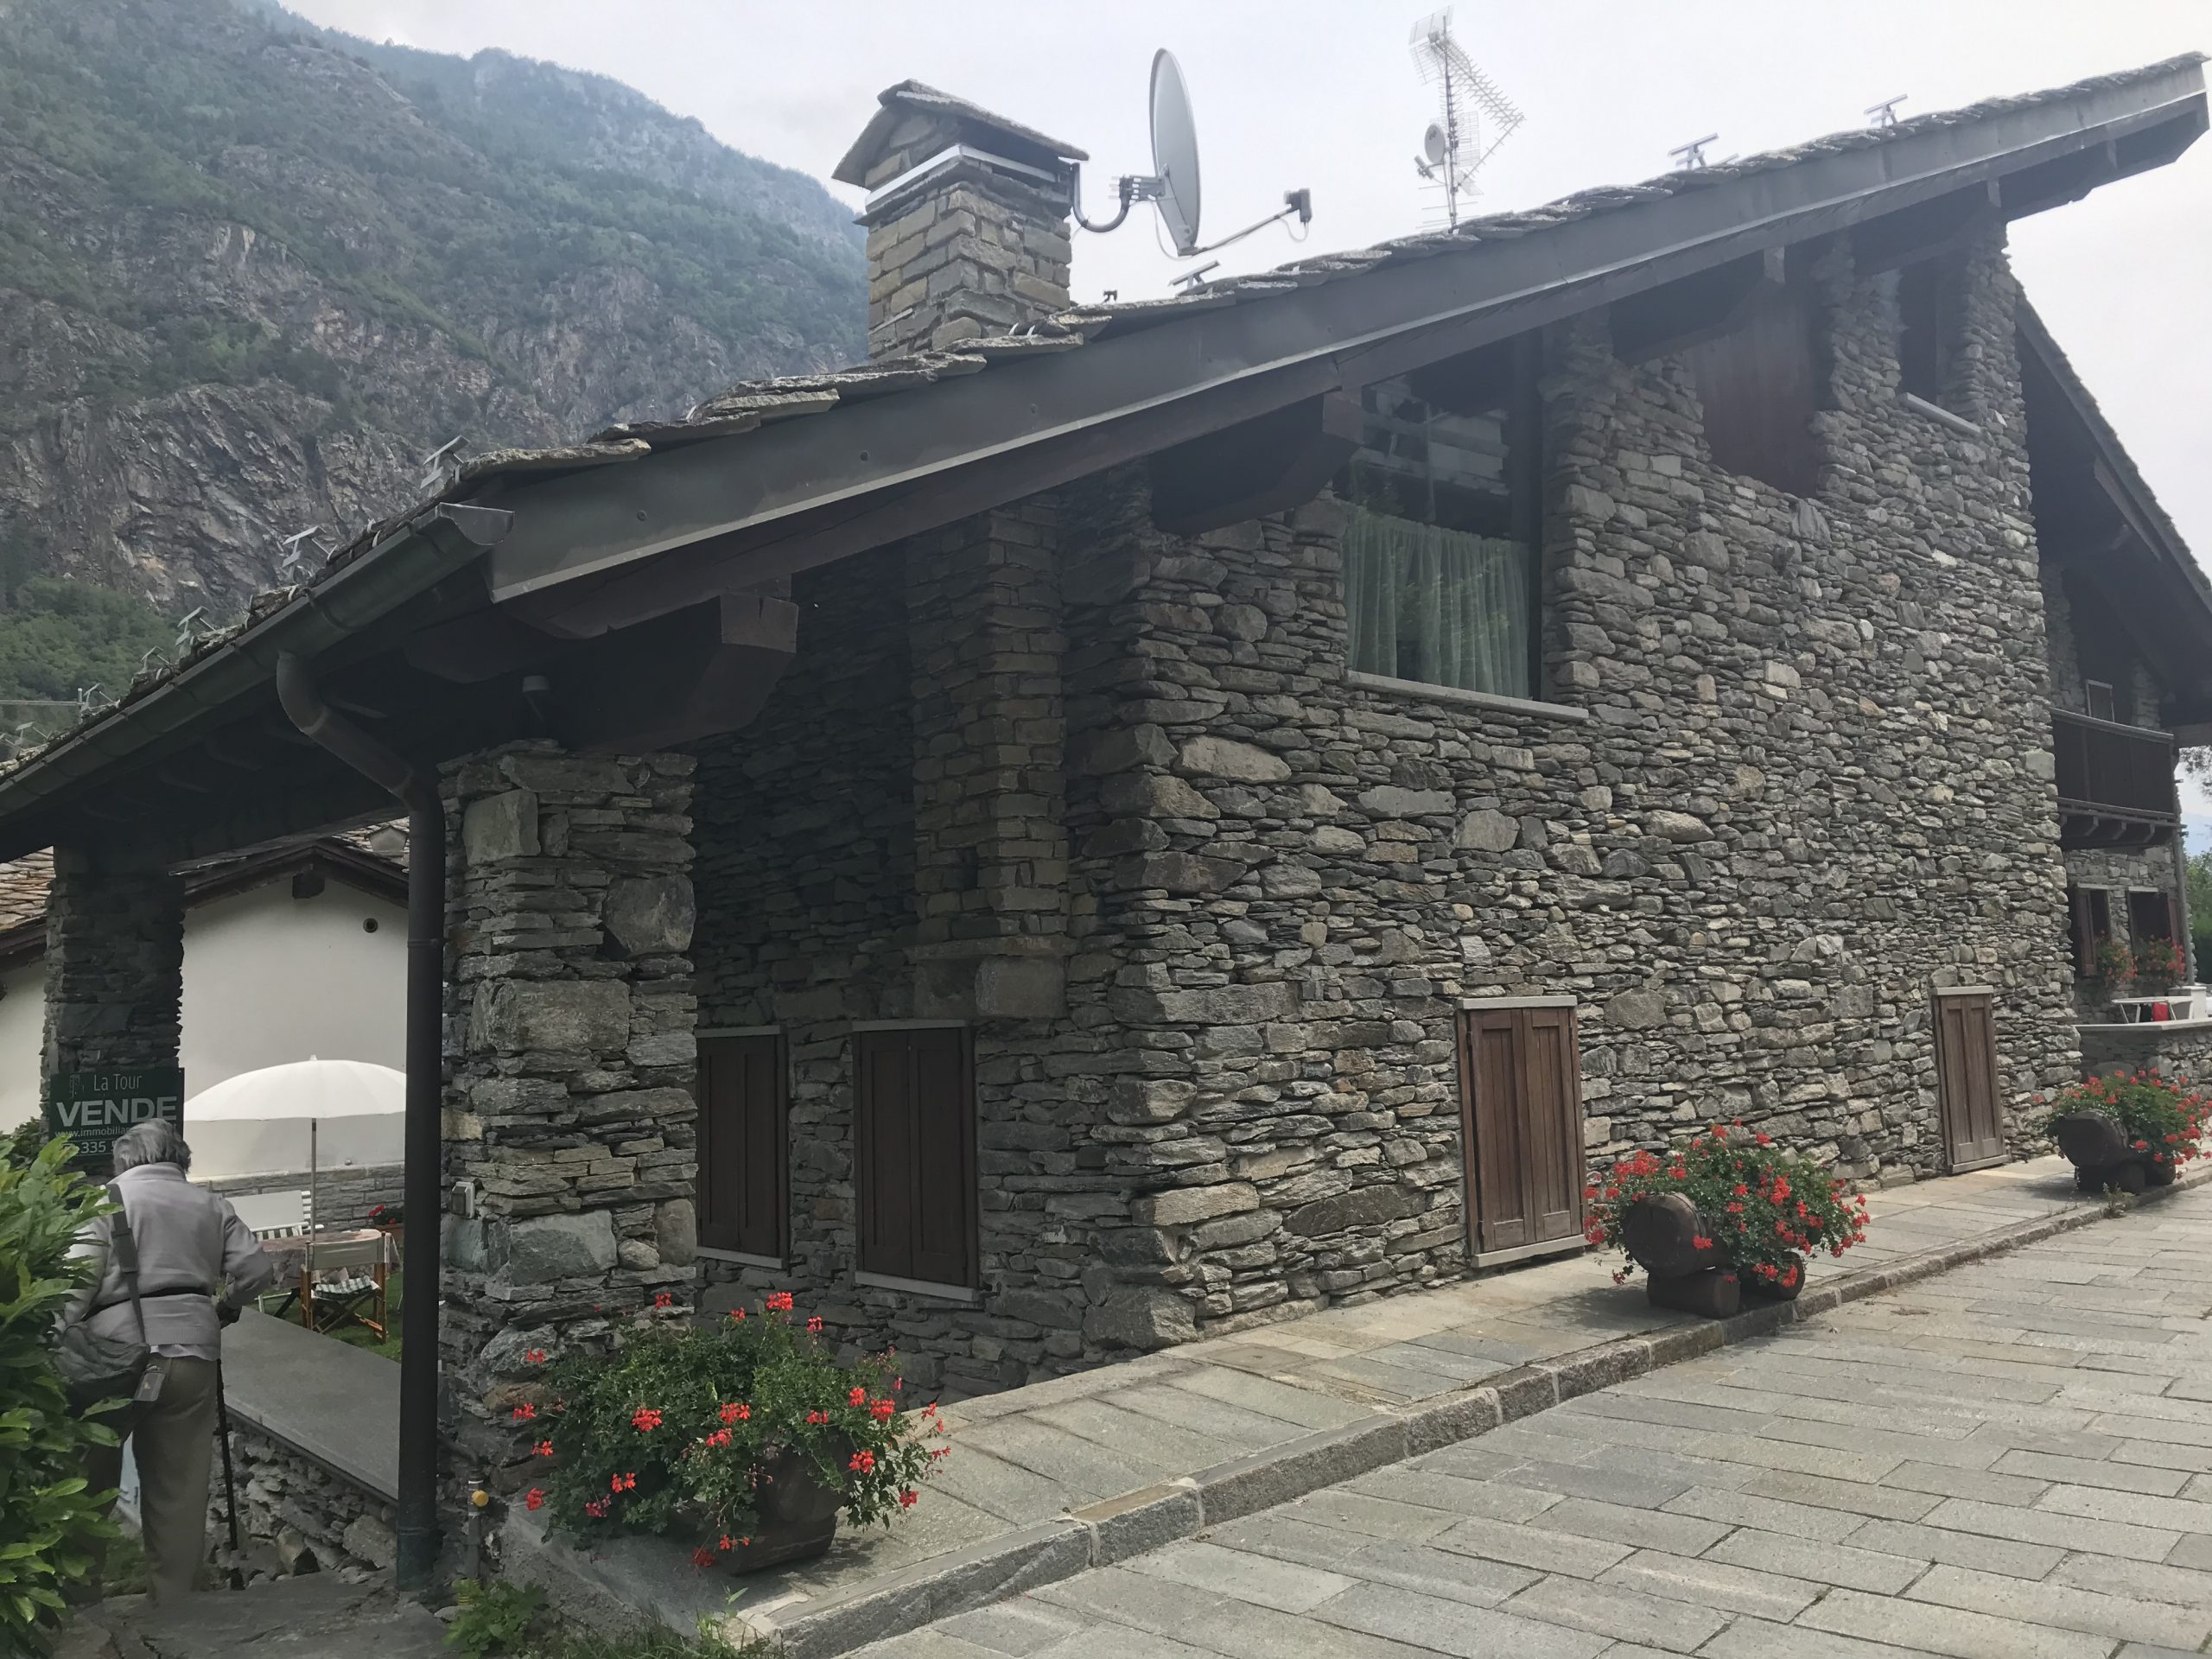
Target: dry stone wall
114,963
1796,775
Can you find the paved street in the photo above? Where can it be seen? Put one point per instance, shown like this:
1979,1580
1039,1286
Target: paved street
2013,1460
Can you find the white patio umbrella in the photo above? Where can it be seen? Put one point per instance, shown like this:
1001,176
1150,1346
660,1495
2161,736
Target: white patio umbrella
260,1121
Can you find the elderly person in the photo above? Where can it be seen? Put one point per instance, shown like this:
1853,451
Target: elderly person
197,1265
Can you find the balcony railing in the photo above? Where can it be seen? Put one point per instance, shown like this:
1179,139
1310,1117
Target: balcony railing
2122,775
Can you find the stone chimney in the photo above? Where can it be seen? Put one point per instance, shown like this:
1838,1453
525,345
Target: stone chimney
967,221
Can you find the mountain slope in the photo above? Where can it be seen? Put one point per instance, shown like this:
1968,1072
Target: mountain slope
252,271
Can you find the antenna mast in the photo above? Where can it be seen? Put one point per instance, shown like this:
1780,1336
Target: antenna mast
1453,148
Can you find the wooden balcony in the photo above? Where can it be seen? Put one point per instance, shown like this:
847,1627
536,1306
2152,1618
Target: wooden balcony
2115,782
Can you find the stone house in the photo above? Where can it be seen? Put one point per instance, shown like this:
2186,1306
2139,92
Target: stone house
1109,823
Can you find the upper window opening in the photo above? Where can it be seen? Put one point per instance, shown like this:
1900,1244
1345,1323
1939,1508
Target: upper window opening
1928,328
2098,697
1440,554
1759,384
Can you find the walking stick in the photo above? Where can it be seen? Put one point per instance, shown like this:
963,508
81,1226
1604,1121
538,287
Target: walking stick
230,1484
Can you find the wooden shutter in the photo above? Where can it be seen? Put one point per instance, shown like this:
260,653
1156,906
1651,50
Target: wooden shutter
1966,1056
744,1108
914,1155
1520,1121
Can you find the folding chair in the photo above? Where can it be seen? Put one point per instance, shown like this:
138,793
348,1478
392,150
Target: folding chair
339,1279
274,1215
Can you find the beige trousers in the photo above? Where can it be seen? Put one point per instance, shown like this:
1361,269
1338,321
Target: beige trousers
173,1441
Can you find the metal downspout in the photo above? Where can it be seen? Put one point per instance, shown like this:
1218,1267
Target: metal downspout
422,1191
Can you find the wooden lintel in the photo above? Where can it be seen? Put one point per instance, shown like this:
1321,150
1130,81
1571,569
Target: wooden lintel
691,674
1927,230
1270,464
1680,315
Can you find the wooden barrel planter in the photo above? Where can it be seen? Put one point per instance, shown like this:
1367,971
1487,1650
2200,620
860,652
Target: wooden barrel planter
796,1519
1660,1235
2098,1149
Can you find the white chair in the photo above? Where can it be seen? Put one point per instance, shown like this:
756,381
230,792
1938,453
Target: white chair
340,1278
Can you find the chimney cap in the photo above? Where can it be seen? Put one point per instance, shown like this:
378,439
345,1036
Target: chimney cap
912,109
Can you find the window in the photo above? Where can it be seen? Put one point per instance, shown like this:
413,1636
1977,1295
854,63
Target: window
1520,1122
2090,925
743,1111
914,1155
1440,554
1928,328
1759,384
2150,915
2097,698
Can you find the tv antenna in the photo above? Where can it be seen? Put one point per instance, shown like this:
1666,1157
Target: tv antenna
1692,155
295,548
1173,185
1455,146
1886,112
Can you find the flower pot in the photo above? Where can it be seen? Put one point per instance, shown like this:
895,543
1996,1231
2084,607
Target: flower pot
1660,1235
1713,1294
2097,1147
797,1516
1773,1290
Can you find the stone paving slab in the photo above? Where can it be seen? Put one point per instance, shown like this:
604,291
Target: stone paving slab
1565,1534
1084,1471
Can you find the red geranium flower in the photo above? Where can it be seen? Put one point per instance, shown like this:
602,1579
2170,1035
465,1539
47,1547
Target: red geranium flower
534,1499
644,1419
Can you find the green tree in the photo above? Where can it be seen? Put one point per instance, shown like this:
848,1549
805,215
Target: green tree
62,636
52,1525
2200,908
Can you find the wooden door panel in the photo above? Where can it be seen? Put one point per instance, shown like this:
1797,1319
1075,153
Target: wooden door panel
742,1106
1554,1120
944,1159
1522,1124
1496,1156
1971,1114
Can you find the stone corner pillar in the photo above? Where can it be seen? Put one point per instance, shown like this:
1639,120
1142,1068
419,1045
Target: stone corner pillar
988,642
569,1060
114,962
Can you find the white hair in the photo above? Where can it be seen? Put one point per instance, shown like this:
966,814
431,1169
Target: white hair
152,1142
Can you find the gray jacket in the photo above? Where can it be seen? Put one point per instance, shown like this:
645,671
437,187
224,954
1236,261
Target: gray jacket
190,1241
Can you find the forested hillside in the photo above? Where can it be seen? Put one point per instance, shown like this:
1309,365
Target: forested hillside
251,271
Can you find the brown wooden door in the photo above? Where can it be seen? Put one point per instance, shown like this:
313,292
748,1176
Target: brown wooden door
914,1155
1965,1060
743,1169
1520,1121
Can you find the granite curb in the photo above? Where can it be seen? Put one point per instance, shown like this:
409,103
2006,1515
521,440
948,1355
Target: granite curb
1134,1523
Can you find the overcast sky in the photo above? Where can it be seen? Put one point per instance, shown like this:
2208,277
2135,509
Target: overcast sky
1323,93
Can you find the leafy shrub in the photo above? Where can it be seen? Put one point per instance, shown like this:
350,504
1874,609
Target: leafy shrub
493,1617
61,636
1768,1210
52,1526
2163,1118
670,1433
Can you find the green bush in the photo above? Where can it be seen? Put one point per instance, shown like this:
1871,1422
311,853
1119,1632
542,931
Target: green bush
57,637
52,1527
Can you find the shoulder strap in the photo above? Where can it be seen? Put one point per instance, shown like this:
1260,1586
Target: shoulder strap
124,1248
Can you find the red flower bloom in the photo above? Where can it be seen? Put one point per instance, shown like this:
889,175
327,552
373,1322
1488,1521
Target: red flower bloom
543,1449
863,1462
908,1498
881,1410
534,1499
622,1483
597,1507
857,1398
813,1326
536,1355
524,1413
737,1313
780,1301
818,1416
702,1556
644,1419
736,1414
661,1299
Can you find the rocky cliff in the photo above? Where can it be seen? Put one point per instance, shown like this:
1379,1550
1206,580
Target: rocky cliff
252,271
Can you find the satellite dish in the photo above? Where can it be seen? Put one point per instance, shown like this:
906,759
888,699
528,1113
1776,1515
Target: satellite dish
1435,144
1175,152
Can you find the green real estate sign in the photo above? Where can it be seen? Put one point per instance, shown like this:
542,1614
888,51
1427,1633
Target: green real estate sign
93,1108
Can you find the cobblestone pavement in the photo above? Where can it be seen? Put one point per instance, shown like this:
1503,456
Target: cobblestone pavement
2013,1460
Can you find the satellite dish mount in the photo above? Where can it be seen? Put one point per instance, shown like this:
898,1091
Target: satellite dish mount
1173,184
1454,146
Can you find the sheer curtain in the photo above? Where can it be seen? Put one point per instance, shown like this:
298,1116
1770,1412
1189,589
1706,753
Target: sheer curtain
1442,607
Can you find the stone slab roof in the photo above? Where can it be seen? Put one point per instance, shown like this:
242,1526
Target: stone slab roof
754,405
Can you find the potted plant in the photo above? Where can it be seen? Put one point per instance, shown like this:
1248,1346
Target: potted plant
1718,1214
2115,967
746,1436
2130,1130
2157,965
